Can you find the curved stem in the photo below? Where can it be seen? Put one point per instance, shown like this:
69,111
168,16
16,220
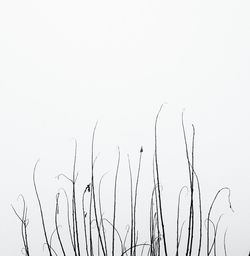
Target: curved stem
93,189
158,182
177,221
210,209
41,210
114,204
56,224
135,199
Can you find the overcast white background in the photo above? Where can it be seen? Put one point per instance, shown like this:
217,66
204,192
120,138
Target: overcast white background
66,64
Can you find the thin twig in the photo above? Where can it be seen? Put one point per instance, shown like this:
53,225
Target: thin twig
41,210
114,204
158,181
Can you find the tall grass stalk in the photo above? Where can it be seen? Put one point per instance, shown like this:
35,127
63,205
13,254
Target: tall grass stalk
158,182
24,224
135,199
114,204
56,224
41,210
93,192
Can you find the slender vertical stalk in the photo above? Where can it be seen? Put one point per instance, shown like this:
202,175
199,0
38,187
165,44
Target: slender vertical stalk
114,204
90,221
93,190
68,218
178,220
214,230
156,210
215,235
117,232
200,213
192,194
41,210
56,224
154,221
74,209
125,238
84,219
136,192
131,209
151,223
100,211
224,243
191,210
158,182
179,239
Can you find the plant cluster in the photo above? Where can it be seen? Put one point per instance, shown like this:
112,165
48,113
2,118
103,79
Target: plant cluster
89,215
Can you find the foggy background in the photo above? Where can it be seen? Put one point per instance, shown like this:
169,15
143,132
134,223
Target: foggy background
66,64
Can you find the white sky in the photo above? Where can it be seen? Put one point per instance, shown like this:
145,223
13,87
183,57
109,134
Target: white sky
66,64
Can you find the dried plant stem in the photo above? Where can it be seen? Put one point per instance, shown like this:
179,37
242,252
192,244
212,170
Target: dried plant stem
158,182
178,220
224,243
200,213
117,232
192,195
74,208
156,211
135,198
114,204
24,224
131,209
100,210
191,207
93,190
137,245
90,221
41,210
215,235
56,224
68,218
210,209
84,219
